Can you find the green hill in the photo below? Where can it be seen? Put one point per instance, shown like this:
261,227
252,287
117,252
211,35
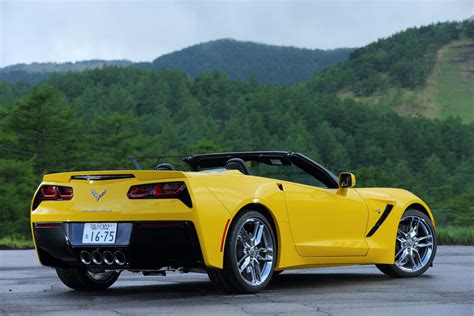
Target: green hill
35,72
236,59
244,60
426,71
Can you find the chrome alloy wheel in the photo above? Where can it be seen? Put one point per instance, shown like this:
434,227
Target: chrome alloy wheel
100,276
414,244
254,251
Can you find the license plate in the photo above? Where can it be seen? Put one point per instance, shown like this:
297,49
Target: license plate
99,233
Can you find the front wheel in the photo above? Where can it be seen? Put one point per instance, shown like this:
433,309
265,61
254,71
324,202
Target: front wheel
415,246
249,257
87,280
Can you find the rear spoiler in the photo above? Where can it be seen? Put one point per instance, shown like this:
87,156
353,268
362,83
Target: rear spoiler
140,175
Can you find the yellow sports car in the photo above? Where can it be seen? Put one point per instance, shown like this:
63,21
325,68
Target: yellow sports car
241,217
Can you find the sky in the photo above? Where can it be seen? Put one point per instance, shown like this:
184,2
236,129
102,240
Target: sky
60,31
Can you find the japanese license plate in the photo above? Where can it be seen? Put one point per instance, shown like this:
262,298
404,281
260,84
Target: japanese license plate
99,233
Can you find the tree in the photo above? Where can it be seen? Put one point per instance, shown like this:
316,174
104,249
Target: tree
17,185
44,127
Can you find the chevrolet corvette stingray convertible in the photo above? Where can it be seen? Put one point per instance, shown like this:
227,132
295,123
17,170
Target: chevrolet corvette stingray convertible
242,218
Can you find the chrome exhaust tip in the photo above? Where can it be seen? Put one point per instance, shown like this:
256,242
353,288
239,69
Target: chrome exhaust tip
85,257
108,257
97,257
119,258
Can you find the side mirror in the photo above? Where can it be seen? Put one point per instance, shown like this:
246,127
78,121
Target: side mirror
347,180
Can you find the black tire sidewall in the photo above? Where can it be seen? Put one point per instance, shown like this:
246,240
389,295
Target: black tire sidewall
107,282
230,260
79,279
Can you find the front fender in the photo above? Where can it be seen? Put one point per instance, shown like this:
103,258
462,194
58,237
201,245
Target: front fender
382,243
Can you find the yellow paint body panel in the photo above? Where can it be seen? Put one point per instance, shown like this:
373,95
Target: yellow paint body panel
314,226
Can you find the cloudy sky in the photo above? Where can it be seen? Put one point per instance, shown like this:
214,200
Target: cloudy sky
52,30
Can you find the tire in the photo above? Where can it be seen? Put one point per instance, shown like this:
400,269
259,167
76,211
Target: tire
255,258
87,280
415,250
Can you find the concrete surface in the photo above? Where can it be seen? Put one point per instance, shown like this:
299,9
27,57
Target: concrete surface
446,289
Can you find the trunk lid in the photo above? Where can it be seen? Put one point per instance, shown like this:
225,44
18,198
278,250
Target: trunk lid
117,175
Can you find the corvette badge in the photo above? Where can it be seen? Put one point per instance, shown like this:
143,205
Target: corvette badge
98,195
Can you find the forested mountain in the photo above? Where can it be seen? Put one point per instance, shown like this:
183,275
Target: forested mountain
426,71
97,119
236,59
35,72
244,60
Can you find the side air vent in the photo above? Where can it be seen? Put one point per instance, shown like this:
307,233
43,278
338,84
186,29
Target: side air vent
99,177
382,219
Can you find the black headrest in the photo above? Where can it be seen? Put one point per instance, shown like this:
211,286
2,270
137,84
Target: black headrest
165,166
237,164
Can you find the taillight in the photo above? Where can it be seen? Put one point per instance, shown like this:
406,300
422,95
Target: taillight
167,190
49,192
54,192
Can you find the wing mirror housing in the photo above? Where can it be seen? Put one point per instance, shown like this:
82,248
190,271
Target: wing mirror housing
347,180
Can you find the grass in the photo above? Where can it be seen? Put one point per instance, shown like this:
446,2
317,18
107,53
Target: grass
453,80
455,235
16,242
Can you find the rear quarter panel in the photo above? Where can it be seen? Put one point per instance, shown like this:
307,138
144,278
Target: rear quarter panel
236,191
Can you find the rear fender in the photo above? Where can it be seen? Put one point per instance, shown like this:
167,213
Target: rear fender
238,192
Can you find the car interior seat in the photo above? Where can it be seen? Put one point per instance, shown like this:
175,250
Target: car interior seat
237,164
165,166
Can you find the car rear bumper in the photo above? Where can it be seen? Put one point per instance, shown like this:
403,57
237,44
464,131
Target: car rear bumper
146,245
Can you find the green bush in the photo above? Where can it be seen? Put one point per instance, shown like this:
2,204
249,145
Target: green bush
455,235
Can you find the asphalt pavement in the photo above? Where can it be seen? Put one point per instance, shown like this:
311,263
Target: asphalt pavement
446,289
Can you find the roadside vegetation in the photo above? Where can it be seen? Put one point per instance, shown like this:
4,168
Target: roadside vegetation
16,242
450,235
453,235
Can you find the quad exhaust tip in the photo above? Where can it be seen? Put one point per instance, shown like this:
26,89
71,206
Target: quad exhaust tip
119,258
85,257
97,257
108,258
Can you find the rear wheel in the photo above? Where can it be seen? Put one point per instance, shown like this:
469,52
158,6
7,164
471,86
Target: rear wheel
87,280
249,256
415,246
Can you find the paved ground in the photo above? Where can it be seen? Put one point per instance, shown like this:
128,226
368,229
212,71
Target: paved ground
446,289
